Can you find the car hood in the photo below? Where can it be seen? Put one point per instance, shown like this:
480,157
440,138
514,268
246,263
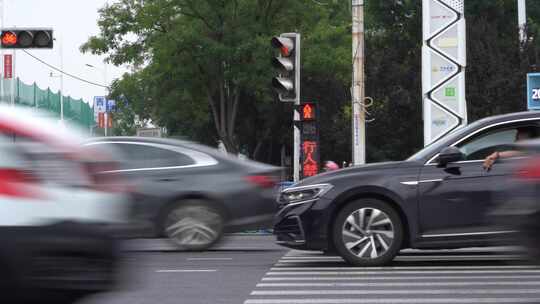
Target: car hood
328,176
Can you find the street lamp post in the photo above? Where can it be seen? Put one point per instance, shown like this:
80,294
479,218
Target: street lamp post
104,71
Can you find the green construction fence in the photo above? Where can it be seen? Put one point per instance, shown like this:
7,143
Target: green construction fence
75,110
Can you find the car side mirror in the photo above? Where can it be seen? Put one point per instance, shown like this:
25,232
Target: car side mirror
450,155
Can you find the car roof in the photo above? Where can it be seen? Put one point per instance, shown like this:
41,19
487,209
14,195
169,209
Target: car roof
508,117
249,164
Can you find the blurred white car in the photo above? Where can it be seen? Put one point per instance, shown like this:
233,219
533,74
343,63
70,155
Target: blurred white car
57,212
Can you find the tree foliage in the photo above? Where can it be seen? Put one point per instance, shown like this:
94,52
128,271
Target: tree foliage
201,68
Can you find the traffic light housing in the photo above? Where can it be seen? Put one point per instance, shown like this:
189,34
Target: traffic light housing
287,83
26,38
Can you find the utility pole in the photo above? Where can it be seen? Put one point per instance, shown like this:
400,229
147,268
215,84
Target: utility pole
13,77
522,20
358,110
61,82
2,89
106,99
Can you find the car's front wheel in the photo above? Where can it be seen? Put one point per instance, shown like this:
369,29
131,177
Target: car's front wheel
194,225
368,232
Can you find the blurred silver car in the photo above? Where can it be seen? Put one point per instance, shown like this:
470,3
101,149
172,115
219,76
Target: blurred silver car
56,212
191,193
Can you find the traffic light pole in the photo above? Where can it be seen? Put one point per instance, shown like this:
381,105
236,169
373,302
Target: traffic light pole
61,82
2,88
522,20
296,117
358,111
13,77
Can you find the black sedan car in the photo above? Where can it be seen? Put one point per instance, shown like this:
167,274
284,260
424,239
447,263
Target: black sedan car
437,198
191,193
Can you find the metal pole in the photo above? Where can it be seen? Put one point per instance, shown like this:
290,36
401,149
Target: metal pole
61,82
106,98
522,20
13,77
2,89
296,117
358,111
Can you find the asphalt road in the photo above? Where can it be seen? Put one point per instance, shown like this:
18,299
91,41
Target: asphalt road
252,270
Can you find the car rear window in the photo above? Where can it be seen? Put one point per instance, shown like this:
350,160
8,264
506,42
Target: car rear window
139,156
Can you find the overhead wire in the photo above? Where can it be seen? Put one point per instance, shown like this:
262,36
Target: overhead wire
64,72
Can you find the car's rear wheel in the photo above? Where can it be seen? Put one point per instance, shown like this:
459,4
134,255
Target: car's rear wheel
193,225
368,232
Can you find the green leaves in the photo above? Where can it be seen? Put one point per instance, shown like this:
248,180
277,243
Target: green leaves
201,68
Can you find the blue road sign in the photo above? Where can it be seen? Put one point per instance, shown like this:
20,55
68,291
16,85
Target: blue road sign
111,105
533,91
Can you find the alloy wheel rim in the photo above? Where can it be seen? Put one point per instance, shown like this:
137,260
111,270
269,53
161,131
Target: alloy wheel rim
193,227
368,233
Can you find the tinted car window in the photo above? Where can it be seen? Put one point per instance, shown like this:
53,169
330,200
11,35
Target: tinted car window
143,156
481,146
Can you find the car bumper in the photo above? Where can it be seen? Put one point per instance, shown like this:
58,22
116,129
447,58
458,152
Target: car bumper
302,226
57,259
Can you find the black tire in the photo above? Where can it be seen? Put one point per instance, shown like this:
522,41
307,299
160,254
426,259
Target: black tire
344,230
193,225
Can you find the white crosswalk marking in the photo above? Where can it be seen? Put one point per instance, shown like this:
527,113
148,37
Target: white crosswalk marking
423,277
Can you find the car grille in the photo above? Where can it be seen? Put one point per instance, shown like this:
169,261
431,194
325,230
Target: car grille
290,230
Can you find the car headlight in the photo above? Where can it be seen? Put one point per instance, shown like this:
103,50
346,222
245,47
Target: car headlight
303,193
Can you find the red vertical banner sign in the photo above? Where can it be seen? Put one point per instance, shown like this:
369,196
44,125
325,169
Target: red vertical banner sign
101,120
109,120
310,164
8,66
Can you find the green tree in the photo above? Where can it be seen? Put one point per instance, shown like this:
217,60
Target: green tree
191,58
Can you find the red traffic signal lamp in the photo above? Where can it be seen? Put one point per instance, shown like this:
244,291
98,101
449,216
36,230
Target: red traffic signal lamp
287,83
18,38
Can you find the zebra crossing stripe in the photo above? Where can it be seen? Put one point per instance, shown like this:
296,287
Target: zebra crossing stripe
397,301
407,268
397,272
402,284
388,278
396,292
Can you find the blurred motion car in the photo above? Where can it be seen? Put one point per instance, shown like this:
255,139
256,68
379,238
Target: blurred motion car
191,193
518,205
437,198
57,215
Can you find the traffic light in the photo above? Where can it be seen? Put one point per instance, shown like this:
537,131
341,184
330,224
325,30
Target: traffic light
287,83
29,38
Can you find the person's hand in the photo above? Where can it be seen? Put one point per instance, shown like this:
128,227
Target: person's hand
490,160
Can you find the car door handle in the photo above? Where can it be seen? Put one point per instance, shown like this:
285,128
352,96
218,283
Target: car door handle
170,179
425,181
436,180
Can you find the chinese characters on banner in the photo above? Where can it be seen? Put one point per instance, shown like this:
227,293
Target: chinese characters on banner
310,166
8,66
